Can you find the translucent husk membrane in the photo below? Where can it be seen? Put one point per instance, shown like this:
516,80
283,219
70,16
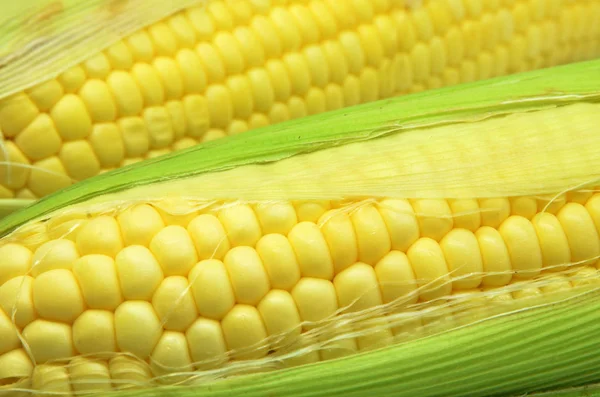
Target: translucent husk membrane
531,135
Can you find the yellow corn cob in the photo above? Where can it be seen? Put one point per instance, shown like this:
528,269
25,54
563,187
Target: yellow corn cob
300,255
229,66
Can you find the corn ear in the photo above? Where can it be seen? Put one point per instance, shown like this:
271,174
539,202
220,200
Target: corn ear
88,87
526,139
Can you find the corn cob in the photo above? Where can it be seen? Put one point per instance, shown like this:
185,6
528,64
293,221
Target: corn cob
224,67
289,246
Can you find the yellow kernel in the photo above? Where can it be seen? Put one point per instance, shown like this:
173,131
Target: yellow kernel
334,97
54,254
97,67
353,51
177,115
39,139
267,34
170,355
139,224
434,217
431,271
371,233
253,54
311,251
340,235
192,72
334,54
97,97
221,15
170,76
421,62
141,46
311,211
212,61
15,365
48,176
107,144
286,28
315,298
174,250
241,96
371,43
149,83
280,316
324,18
49,340
280,79
79,159
227,46
100,236
276,217
298,70
15,176
126,93
119,56
129,372
581,233
523,246
15,260
94,332
463,257
387,33
247,274
243,330
71,118
494,254
241,225
72,79
135,136
51,378
315,101
9,339
137,328
279,261
358,290
174,303
220,105
46,95
494,211
305,20
97,277
16,112
163,39
65,306
209,237
213,134
207,343
139,272
466,214
317,65
396,278
212,289
201,21
554,245
197,115
16,299
158,125
89,375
